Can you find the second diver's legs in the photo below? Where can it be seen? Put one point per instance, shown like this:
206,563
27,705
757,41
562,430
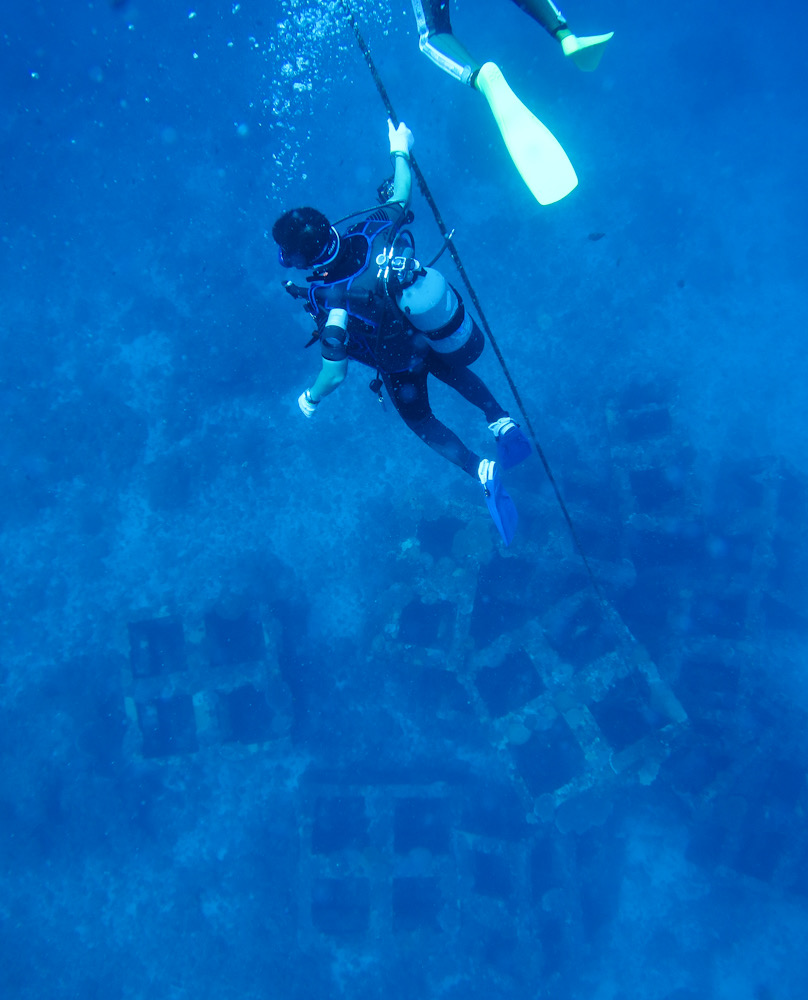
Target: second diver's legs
436,40
585,52
545,13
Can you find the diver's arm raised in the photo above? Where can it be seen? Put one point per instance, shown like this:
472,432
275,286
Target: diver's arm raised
401,141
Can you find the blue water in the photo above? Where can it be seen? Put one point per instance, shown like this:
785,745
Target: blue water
279,716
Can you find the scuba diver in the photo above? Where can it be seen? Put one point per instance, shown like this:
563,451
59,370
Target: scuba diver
374,303
537,154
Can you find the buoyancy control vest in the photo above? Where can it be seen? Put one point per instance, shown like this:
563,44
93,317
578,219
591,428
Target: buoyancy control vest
392,322
377,335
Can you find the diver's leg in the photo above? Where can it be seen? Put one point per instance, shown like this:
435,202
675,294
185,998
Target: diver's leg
436,40
453,370
546,14
512,445
472,388
408,393
584,52
446,443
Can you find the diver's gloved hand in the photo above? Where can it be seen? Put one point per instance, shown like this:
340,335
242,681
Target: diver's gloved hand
401,138
307,404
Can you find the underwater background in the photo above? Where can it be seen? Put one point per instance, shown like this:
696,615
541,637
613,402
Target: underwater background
279,716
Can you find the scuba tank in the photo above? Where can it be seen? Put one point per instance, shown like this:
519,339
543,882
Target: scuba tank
426,298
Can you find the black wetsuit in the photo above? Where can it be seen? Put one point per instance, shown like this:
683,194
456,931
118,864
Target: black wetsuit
437,41
378,335
435,13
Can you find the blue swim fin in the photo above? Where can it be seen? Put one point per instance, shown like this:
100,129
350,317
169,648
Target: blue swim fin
500,506
512,445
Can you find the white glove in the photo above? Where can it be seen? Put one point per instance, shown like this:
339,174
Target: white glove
401,139
307,404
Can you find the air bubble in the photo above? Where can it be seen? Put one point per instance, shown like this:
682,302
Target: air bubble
300,54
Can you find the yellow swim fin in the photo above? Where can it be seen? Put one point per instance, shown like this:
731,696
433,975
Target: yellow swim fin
535,151
585,52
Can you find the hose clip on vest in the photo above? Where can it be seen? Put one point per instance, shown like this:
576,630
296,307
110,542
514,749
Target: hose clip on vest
300,293
376,386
